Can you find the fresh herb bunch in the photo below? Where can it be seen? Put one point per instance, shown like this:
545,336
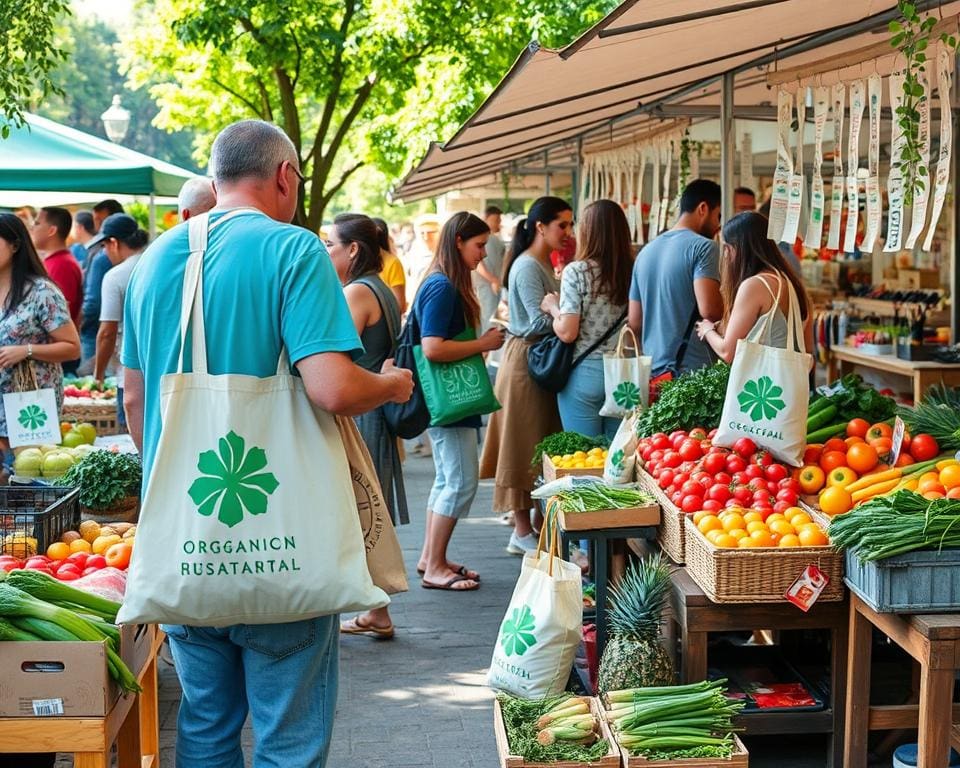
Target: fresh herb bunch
848,398
104,478
520,720
597,496
562,443
937,415
694,399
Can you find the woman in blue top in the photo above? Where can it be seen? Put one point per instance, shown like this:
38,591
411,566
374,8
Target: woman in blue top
444,307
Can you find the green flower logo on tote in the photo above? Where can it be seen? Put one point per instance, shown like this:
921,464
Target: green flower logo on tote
627,394
616,460
761,399
517,636
32,417
233,482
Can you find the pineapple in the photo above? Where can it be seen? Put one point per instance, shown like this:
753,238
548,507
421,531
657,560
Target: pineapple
634,656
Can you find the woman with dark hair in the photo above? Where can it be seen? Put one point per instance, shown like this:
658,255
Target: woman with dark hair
593,300
35,323
529,413
444,307
392,272
756,280
354,247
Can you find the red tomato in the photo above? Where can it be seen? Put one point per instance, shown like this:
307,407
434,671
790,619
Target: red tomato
740,478
714,463
735,463
665,480
762,497
706,445
924,447
762,459
660,441
676,497
712,433
722,478
10,565
765,510
781,507
835,444
776,472
645,452
679,478
657,455
743,494
790,483
89,569
719,493
698,433
734,502
678,433
785,494
691,503
772,487
812,454
65,574
754,472
652,467
676,440
79,559
66,567
745,447
691,488
672,459
37,561
712,506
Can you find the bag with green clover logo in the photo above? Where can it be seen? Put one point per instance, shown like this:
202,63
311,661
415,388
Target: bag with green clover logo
626,380
541,630
249,514
620,465
31,412
768,390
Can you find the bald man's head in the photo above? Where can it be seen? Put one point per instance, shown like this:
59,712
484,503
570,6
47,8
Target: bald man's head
196,197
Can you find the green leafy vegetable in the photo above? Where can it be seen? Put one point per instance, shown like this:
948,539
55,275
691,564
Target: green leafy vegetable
938,415
562,443
104,478
520,718
694,399
596,496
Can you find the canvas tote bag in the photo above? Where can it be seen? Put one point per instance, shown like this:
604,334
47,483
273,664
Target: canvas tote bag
768,392
32,416
542,628
626,380
249,514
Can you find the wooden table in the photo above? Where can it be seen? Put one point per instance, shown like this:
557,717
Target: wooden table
924,374
133,725
695,615
933,640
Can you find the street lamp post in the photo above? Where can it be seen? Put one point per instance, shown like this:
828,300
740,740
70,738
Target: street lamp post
116,120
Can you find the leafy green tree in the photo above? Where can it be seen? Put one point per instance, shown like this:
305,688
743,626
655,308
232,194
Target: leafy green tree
352,82
28,55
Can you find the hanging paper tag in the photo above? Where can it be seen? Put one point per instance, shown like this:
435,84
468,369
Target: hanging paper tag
665,198
655,203
899,428
921,194
809,585
874,201
781,177
746,161
895,184
945,64
857,102
838,98
795,191
641,236
821,104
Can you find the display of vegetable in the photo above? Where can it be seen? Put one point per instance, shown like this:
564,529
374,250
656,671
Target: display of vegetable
45,587
674,722
596,496
694,399
845,399
938,414
894,525
562,443
104,478
552,729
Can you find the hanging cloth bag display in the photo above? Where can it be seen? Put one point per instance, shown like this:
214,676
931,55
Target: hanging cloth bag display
541,630
781,176
32,417
895,182
791,225
626,380
857,103
813,236
767,393
945,66
874,200
838,185
249,515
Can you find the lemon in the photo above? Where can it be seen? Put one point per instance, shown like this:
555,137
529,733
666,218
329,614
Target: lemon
579,465
579,455
595,452
567,456
556,459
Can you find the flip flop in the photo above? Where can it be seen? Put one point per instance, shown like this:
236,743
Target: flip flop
354,627
462,570
449,585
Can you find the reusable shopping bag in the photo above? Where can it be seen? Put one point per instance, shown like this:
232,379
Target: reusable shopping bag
540,632
626,380
454,391
249,514
32,416
768,393
618,468
384,558
410,419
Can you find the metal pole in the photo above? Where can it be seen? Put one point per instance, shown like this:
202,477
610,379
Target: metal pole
728,143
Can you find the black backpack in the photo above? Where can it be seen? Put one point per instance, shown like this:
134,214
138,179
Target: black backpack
409,419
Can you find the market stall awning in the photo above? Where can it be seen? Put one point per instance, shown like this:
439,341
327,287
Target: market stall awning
45,156
604,86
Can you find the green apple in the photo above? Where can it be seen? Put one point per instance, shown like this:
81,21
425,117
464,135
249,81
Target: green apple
27,463
56,463
88,431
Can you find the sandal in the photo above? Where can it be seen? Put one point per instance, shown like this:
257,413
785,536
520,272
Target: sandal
354,627
462,570
448,586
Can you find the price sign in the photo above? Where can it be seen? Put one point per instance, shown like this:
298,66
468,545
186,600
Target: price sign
809,585
898,429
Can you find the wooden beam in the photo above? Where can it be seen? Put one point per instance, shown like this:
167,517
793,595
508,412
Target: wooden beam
895,717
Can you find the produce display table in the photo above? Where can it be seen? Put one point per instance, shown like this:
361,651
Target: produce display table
133,724
933,640
696,616
924,374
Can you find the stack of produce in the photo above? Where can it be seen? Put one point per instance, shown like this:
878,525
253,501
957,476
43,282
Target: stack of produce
634,656
847,398
692,399
938,414
674,722
79,553
50,461
897,524
593,497
592,459
86,390
553,729
753,528
34,607
571,447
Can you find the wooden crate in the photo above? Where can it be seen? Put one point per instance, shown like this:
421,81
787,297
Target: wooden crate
630,517
670,530
552,472
739,759
506,760
761,575
103,417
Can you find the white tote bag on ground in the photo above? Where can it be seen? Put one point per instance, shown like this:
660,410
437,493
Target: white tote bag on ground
32,416
249,514
626,380
768,391
541,630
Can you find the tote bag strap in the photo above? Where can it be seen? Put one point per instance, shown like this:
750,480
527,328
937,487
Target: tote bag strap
620,345
795,340
768,317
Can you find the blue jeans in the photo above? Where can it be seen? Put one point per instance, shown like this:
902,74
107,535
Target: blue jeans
581,400
284,675
121,415
457,466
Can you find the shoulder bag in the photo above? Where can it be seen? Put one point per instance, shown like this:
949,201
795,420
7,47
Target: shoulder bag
551,360
410,419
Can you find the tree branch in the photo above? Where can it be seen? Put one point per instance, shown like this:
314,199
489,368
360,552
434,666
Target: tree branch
322,169
265,98
296,69
319,203
240,97
288,104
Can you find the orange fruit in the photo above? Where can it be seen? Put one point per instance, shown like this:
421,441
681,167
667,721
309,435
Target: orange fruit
905,460
737,533
790,540
841,476
80,545
711,536
883,445
950,476
58,551
782,527
732,521
756,525
931,485
832,459
725,541
118,556
835,501
812,536
746,542
752,516
835,444
709,523
862,458
954,493
857,428
762,538
930,476
799,518
878,430
933,495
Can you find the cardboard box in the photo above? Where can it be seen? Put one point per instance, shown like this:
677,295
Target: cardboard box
918,279
69,679
551,472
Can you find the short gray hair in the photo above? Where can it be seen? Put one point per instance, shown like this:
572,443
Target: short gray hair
249,149
196,196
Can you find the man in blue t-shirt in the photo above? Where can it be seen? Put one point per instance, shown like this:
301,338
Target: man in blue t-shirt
267,285
676,281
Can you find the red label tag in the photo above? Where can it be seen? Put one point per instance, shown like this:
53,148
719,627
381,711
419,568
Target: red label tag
809,585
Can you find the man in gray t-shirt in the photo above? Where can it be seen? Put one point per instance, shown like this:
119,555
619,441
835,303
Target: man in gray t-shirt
676,277
486,277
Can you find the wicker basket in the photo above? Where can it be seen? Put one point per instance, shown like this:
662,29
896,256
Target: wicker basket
761,575
127,510
670,530
103,417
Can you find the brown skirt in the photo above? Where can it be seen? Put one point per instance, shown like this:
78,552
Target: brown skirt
528,415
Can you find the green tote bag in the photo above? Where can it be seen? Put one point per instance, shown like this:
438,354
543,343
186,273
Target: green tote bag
454,391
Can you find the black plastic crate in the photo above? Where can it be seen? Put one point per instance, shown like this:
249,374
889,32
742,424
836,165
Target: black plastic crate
37,513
